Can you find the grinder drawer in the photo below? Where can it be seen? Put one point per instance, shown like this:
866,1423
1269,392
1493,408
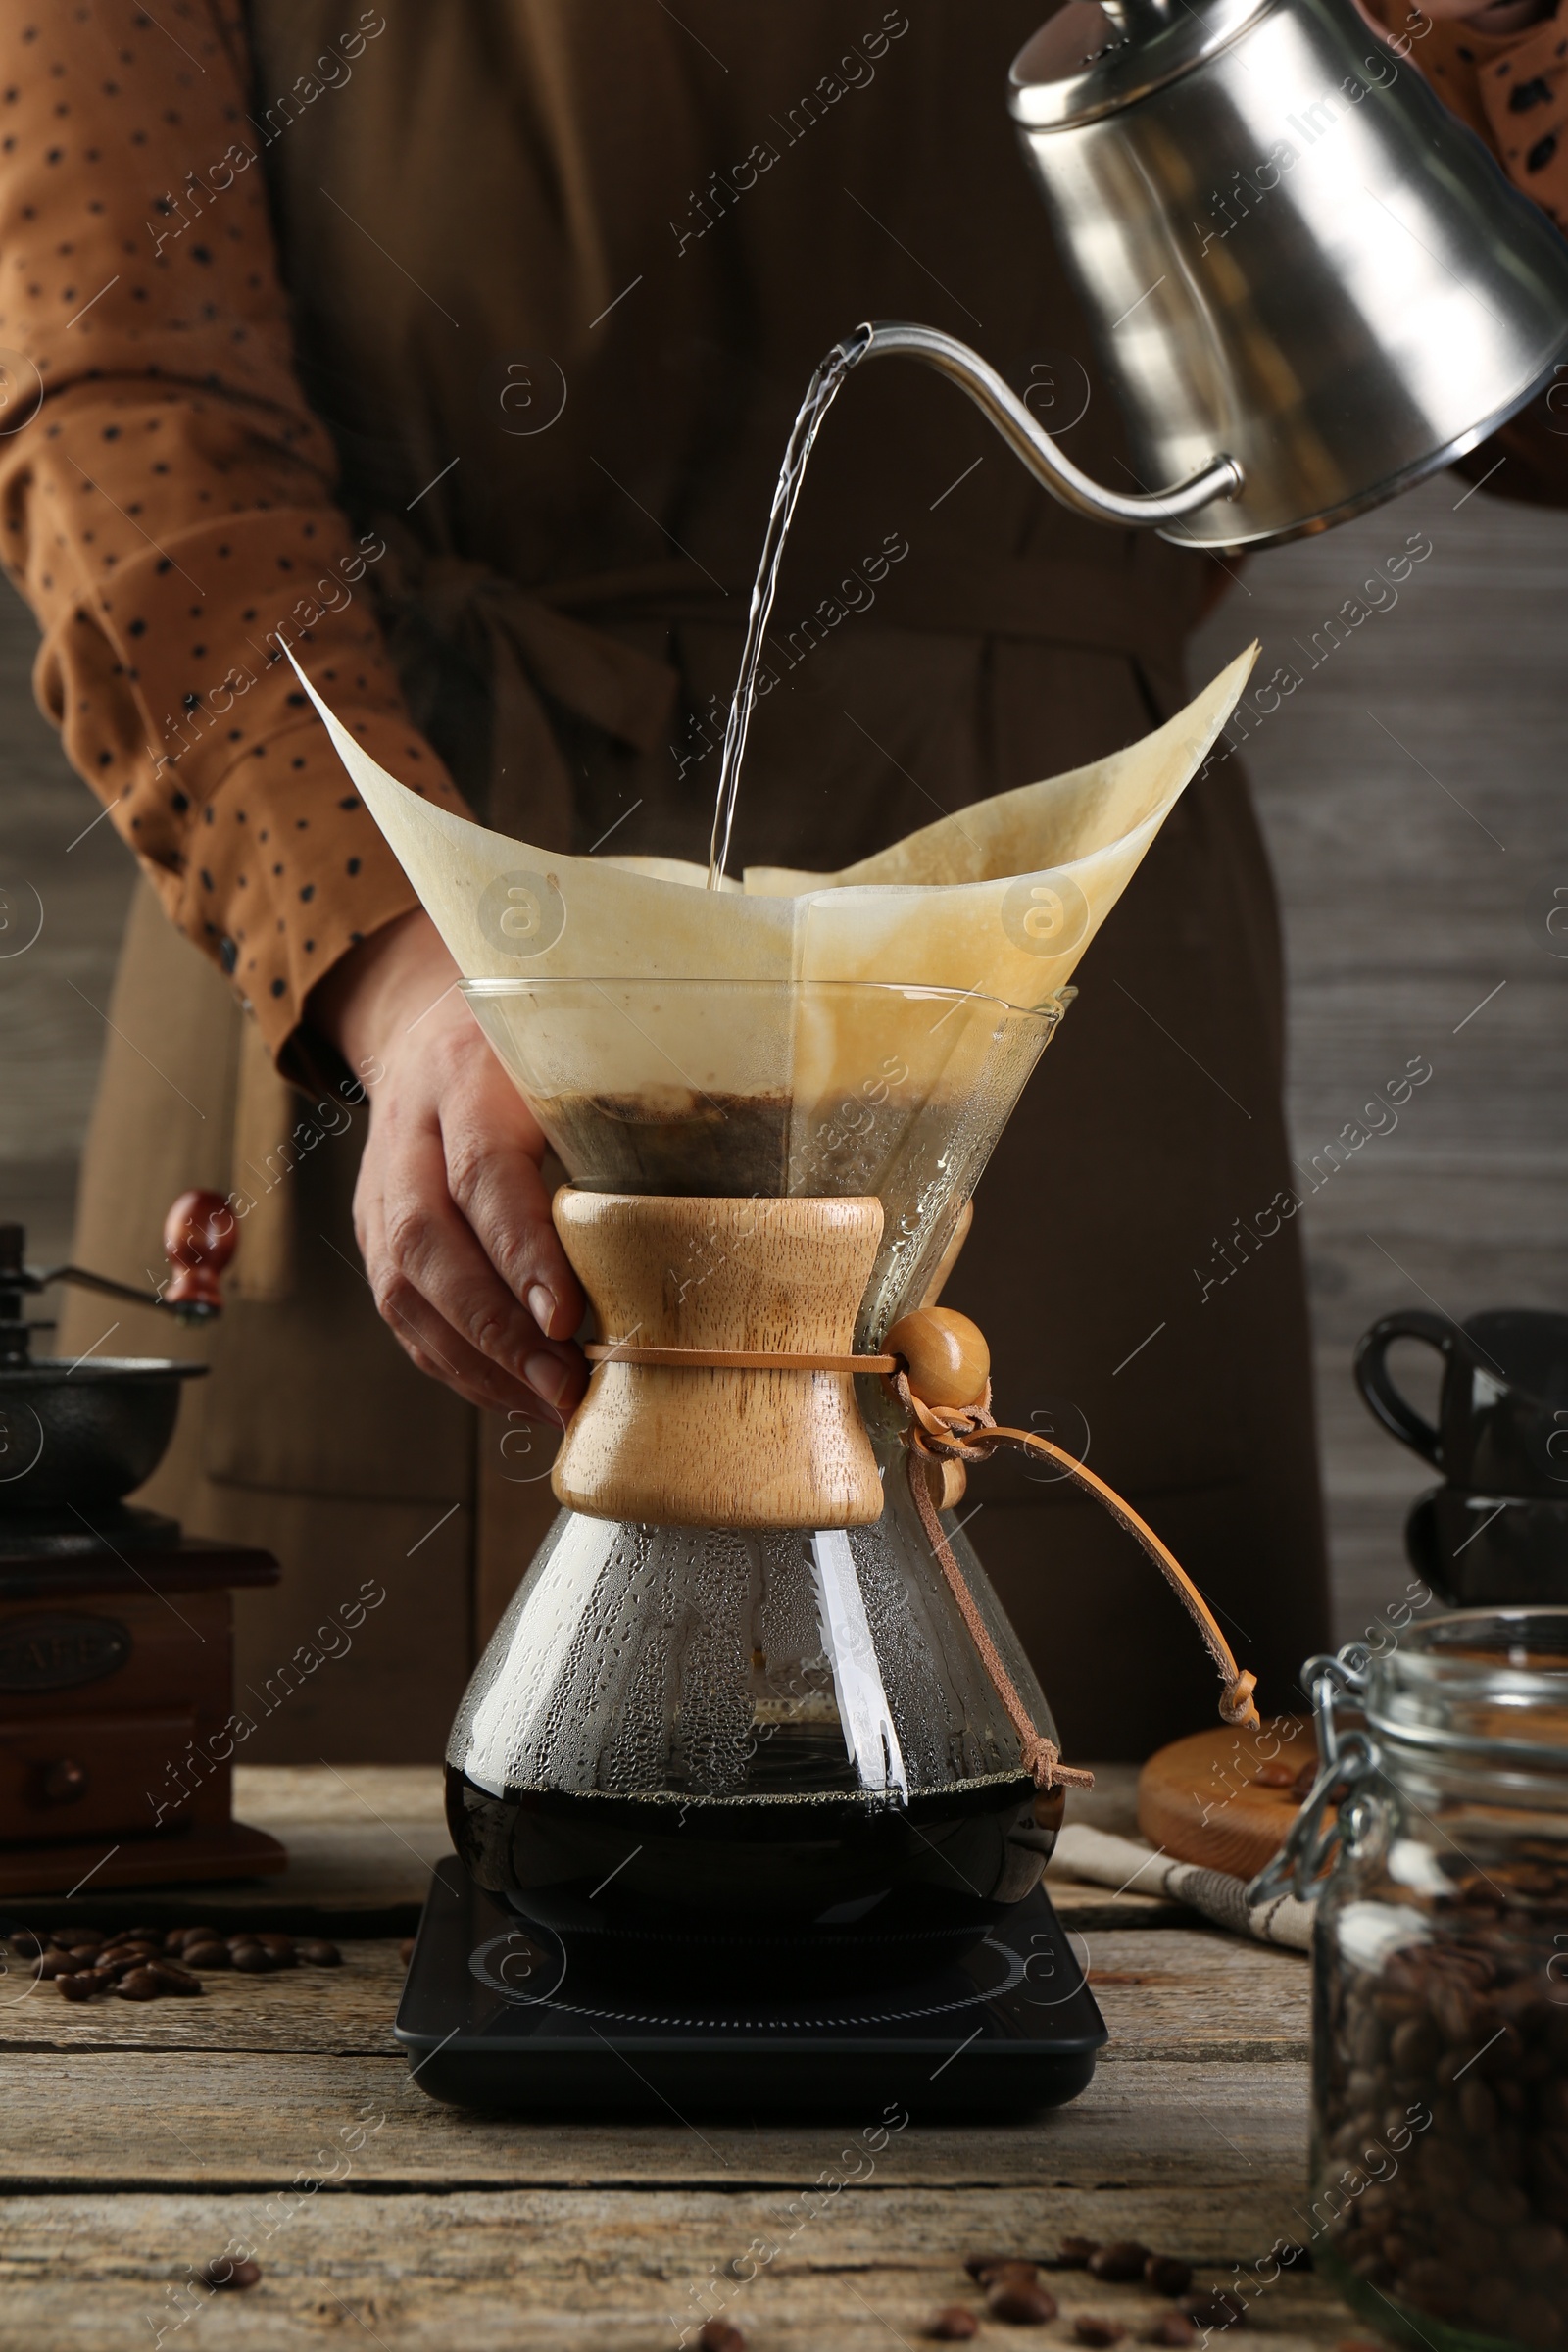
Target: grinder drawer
82,1776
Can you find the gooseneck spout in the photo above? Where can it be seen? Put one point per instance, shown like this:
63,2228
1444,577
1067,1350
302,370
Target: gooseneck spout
1220,477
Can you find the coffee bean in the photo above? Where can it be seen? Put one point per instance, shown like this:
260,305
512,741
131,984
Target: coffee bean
24,1941
1121,2262
280,1946
1020,2304
175,1979
226,2277
252,1959
61,1963
204,1955
84,1983
954,2324
83,1940
1213,2308
1168,2274
1073,2253
319,1954
1092,2327
139,1984
198,1935
127,1950
718,2335
1172,2330
1010,2270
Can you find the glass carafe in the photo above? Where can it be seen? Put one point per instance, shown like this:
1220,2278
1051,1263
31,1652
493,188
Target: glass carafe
777,1746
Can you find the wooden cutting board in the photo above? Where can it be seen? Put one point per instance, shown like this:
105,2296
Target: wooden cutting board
1226,1798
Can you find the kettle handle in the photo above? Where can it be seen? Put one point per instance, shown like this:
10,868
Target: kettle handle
1220,477
1379,1393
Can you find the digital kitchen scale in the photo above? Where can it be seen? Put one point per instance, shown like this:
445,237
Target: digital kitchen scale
495,2016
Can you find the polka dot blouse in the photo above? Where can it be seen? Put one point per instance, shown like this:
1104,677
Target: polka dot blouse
167,497
1510,88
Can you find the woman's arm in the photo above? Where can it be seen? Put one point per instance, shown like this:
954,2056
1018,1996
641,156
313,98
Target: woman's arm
167,510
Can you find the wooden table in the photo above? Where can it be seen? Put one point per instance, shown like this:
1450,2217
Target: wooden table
139,2141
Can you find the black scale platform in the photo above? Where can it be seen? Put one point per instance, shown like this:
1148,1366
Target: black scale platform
492,2016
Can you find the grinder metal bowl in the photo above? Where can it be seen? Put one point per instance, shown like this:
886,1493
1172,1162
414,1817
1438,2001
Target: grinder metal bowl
84,1434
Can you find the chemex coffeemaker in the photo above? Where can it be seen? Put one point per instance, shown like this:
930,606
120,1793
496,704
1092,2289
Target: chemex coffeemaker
754,1783
755,1770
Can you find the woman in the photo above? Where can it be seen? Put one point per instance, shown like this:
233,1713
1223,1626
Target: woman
459,351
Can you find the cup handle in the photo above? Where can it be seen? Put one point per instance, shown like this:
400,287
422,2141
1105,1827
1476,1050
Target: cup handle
1383,1399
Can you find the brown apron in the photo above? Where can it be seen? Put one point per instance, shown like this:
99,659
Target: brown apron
583,200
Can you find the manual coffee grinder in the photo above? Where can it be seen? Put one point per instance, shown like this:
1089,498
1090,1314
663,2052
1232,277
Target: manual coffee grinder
753,1786
116,1629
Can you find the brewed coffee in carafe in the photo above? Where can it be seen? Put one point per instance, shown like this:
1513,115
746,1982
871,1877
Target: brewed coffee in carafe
774,1746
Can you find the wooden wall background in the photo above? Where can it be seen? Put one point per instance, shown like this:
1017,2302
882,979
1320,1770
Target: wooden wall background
1415,792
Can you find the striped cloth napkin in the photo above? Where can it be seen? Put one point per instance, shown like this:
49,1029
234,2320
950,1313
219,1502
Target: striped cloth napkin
1132,1867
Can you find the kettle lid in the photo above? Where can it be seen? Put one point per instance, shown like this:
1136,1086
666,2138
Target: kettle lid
1090,60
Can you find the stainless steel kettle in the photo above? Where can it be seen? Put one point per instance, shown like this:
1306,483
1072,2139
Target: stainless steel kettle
1307,283
1289,250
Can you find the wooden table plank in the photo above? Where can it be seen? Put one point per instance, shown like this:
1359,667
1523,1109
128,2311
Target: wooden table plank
140,2139
1178,1992
585,2271
237,2119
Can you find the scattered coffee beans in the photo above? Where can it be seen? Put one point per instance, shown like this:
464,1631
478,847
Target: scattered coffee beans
1168,2274
1073,2254
954,2325
226,2277
144,1964
1020,2302
1092,2327
1119,2263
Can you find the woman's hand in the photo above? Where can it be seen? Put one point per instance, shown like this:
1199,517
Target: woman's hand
451,1213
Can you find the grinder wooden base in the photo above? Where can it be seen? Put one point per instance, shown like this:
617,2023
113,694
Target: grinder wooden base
673,1446
118,1729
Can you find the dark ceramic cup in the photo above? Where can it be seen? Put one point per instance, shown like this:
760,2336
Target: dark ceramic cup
1479,1550
1503,1425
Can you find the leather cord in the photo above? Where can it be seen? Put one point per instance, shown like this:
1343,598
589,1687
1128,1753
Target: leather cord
735,1359
970,1435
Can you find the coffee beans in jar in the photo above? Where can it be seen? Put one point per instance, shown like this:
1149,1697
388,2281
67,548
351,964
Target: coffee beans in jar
1439,2160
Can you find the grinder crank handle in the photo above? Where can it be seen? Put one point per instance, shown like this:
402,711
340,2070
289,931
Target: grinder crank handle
200,1234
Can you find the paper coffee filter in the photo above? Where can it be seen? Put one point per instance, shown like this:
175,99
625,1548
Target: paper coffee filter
1001,898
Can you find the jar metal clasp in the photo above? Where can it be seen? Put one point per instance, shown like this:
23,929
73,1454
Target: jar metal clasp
1350,1760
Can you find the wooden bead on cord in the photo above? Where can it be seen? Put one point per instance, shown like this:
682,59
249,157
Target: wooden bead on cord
946,1354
